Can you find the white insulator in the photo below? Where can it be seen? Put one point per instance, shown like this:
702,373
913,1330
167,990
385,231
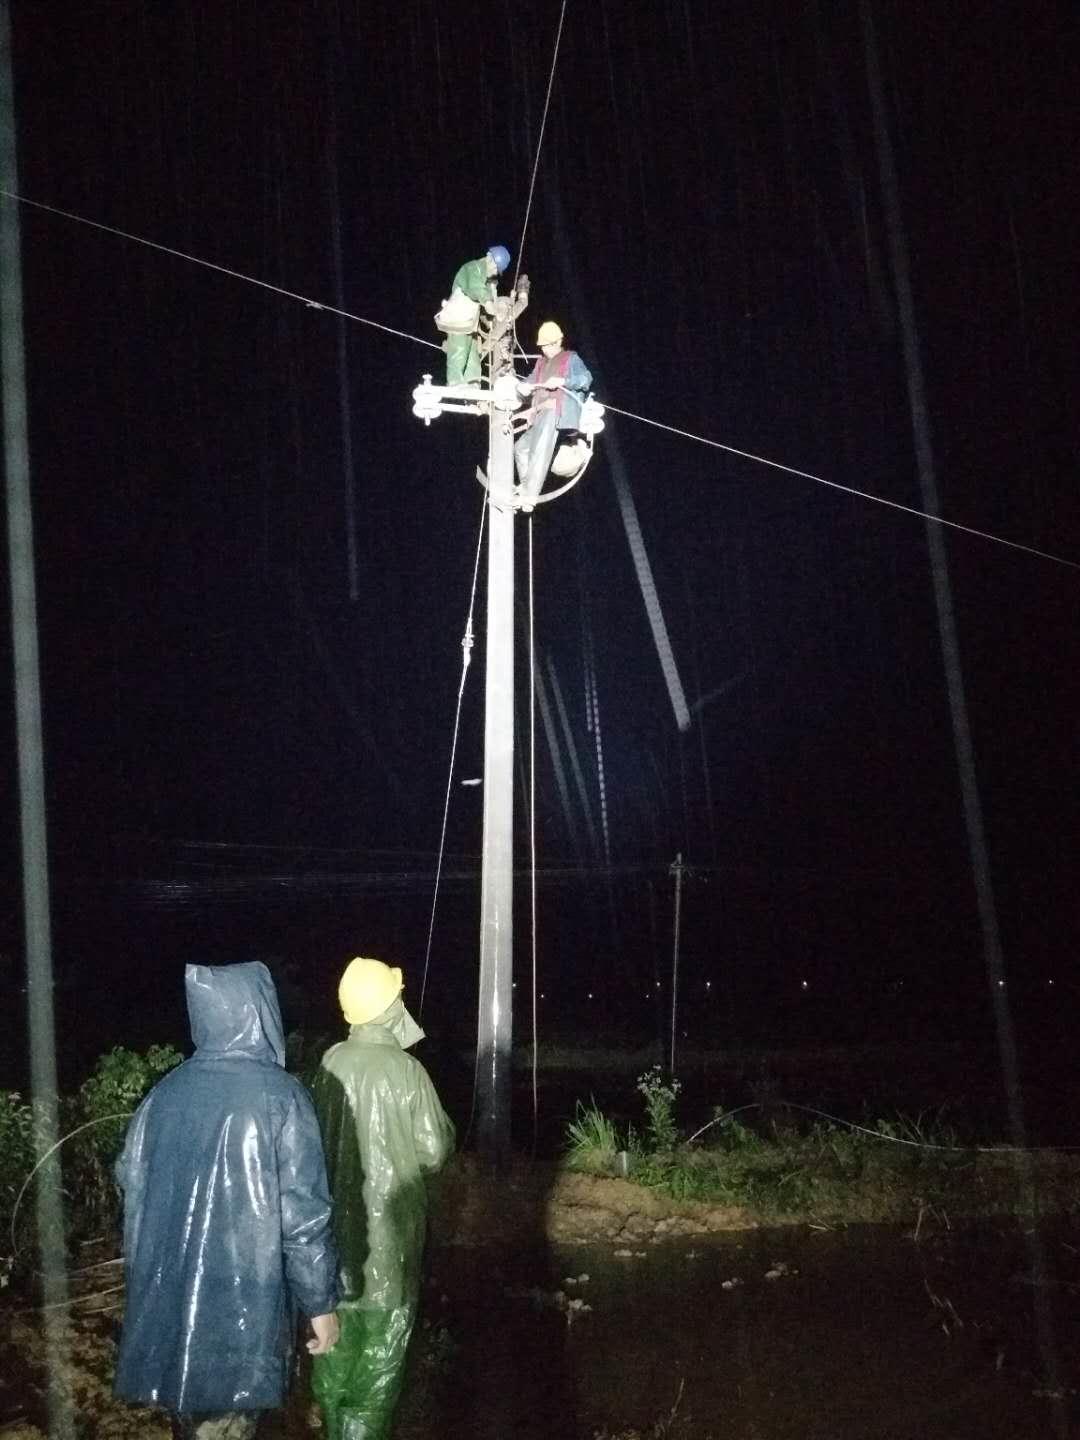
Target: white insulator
592,417
504,393
427,402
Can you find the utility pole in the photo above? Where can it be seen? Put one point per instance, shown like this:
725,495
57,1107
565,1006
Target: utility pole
495,1020
37,925
498,401
677,869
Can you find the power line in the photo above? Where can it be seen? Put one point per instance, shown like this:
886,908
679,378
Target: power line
848,489
539,144
223,269
614,409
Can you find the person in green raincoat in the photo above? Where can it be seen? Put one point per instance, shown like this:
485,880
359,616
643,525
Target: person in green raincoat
384,1129
476,281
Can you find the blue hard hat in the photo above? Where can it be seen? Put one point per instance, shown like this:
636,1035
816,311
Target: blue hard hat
501,256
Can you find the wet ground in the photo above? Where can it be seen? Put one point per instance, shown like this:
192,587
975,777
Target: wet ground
586,1309
765,1335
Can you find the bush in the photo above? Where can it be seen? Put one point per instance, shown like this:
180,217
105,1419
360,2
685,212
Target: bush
91,1126
103,1105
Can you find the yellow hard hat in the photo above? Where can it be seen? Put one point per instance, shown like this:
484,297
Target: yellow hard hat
549,333
367,988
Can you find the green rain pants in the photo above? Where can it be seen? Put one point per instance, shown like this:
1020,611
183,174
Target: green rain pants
463,365
358,1382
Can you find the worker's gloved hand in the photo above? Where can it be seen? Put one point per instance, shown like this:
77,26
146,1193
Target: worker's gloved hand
555,383
327,1333
523,284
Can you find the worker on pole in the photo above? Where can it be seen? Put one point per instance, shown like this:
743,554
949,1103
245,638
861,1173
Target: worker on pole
472,296
558,384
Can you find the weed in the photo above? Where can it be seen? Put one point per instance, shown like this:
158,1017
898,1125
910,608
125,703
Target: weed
18,1147
732,1134
920,1131
592,1142
891,1170
661,1131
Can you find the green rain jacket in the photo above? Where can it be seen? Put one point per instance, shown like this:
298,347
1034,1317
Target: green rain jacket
384,1129
473,279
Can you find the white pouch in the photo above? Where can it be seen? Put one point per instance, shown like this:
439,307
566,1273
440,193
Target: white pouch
459,315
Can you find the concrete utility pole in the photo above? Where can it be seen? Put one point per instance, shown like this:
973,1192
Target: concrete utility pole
499,401
495,1022
30,751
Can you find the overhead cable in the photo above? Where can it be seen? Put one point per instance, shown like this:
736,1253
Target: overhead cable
224,269
539,144
613,409
848,489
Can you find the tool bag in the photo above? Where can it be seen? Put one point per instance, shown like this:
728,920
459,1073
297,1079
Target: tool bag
459,315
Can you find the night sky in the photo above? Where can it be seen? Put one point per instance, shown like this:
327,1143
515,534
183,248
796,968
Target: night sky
245,757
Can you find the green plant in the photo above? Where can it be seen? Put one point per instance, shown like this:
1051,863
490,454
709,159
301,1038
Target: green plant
836,1144
732,1134
16,1161
592,1142
660,1095
103,1104
919,1131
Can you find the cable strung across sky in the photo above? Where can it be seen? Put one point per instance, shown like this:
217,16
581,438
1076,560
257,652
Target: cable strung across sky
614,409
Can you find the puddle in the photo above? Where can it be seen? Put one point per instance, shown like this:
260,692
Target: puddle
771,1334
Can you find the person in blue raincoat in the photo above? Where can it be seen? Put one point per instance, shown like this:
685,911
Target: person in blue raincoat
558,384
384,1130
227,1218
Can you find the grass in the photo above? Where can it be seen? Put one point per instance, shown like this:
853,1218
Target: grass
592,1141
894,1169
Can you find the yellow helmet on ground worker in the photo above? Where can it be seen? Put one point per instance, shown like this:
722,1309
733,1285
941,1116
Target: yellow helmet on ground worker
367,988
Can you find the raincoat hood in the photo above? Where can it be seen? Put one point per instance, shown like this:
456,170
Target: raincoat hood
233,1009
399,1022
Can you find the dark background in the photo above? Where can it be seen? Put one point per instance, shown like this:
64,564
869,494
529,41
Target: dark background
244,759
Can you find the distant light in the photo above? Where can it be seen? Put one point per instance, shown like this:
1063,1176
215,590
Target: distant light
806,984
479,780
1001,984
658,984
590,995
1049,982
708,984
542,995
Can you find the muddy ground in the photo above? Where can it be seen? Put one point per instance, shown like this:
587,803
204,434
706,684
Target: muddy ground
575,1306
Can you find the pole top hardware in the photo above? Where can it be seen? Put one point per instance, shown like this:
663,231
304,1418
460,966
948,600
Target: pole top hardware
430,401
